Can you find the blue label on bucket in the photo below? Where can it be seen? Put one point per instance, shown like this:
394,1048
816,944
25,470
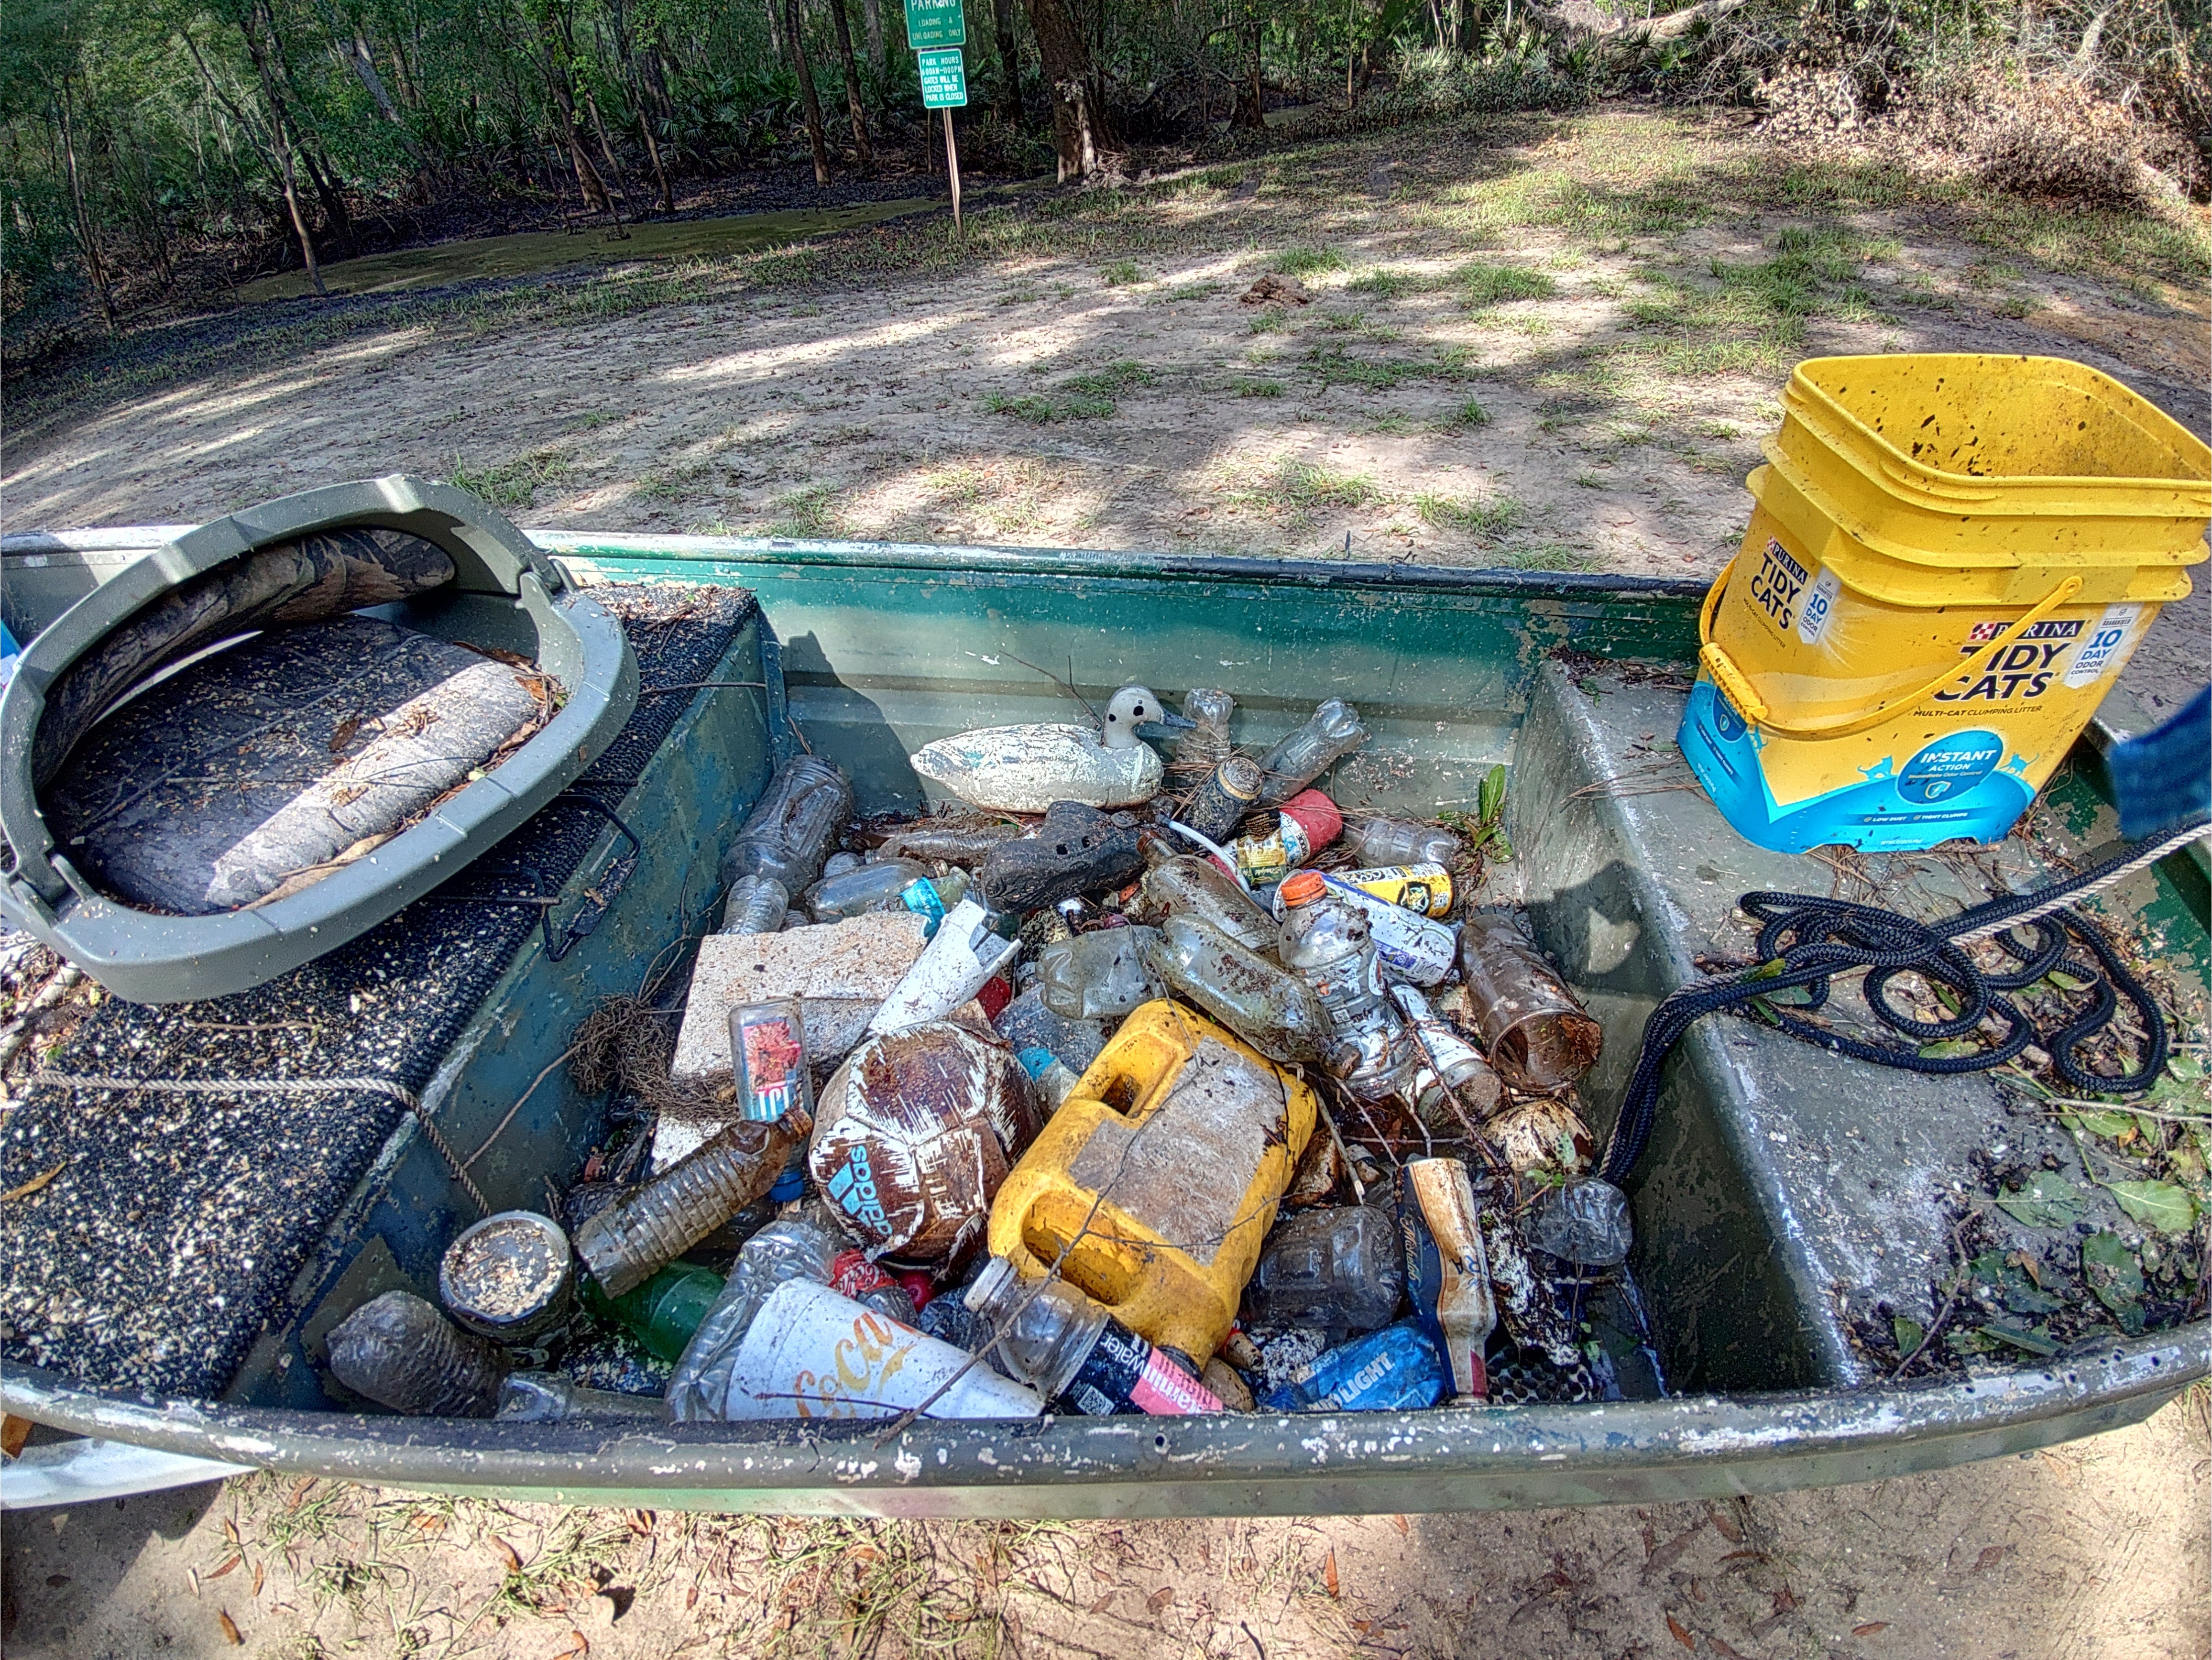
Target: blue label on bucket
1951,766
1954,787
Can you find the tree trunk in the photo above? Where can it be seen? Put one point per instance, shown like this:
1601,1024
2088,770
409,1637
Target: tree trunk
853,108
1251,102
281,147
1010,62
613,175
553,62
774,29
809,102
872,26
95,267
1078,125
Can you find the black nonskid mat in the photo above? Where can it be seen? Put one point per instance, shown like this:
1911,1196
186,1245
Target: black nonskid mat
174,1221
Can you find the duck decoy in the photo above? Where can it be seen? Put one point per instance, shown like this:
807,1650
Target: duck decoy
1026,769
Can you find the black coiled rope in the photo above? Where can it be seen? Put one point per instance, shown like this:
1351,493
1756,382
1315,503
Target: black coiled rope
1808,942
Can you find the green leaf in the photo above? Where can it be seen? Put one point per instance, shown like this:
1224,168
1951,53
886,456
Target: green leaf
2033,1341
1768,970
2159,1205
2112,1124
1491,801
1950,1048
2111,1271
2068,981
2186,1067
1909,1334
2047,1202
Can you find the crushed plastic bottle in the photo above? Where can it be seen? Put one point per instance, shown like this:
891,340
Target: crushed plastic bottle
1186,884
1537,1033
1332,733
1221,801
507,1277
1401,842
664,1311
966,952
1396,1369
1027,1024
1339,1271
1327,944
1060,1342
1074,851
1447,1269
1304,824
652,1225
400,1352
797,1349
955,841
539,1397
756,904
1466,1084
1269,1007
1098,976
1415,949
789,830
918,1128
1586,1223
1207,744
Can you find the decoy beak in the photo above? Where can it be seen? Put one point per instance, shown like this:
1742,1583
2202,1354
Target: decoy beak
1168,727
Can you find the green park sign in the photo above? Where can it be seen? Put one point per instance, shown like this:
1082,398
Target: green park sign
943,79
934,23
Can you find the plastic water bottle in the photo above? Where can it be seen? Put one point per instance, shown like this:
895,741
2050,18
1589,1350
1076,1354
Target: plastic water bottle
866,888
1332,733
1096,975
1327,944
1270,1008
1336,1270
1401,842
401,1353
1187,884
756,904
1208,711
789,830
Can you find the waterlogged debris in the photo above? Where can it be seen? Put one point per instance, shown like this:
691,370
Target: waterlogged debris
2048,1201
1339,1271
1535,1032
1060,1342
1076,850
1396,1369
2115,1277
507,1277
400,1352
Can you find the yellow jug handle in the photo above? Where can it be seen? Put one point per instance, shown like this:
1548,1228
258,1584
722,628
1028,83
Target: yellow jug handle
1736,685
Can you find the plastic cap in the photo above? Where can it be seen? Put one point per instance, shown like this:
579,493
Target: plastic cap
1303,887
1317,815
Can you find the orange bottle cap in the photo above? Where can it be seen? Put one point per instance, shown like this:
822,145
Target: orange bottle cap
1303,887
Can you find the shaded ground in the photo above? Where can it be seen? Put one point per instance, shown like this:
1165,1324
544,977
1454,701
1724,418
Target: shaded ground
2094,1551
1550,344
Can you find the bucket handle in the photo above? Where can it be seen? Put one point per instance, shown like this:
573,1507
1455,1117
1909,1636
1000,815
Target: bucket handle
1736,687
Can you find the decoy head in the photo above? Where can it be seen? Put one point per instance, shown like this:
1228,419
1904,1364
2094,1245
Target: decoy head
1135,713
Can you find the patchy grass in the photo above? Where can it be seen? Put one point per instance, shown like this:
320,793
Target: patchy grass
1387,284
1470,413
1258,388
1485,519
1332,366
1295,491
1111,381
1120,273
510,484
808,514
1041,411
1306,262
1484,286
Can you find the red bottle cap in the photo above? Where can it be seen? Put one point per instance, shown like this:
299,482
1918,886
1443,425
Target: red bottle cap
1303,887
995,995
1316,816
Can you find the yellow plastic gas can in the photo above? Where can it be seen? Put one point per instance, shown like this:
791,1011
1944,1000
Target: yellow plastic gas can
1159,1176
1950,560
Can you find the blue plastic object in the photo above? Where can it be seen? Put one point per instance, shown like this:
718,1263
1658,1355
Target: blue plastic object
2163,779
1396,1369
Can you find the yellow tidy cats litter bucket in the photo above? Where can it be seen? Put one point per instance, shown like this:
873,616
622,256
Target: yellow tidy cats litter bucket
1951,559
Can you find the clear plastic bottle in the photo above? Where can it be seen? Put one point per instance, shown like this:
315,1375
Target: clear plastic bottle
652,1225
1467,1079
1339,1271
539,1397
1057,1340
1332,733
756,904
401,1353
869,887
1207,744
1538,1033
1273,1011
970,946
1586,1223
1186,884
789,830
1413,948
1222,799
955,841
1401,842
1326,943
1098,974
1026,1024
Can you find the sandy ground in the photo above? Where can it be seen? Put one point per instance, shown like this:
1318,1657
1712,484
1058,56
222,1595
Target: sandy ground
1098,384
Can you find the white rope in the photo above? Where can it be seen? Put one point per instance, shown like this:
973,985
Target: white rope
2059,896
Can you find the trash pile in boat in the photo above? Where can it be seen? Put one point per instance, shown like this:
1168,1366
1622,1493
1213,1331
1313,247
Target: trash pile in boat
1129,1085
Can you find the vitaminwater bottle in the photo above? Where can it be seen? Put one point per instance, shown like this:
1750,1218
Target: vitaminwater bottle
1467,1079
1327,944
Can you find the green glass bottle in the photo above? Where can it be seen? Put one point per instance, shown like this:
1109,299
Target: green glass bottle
664,1311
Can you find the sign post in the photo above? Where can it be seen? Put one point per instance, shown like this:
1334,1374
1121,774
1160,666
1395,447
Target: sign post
936,30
